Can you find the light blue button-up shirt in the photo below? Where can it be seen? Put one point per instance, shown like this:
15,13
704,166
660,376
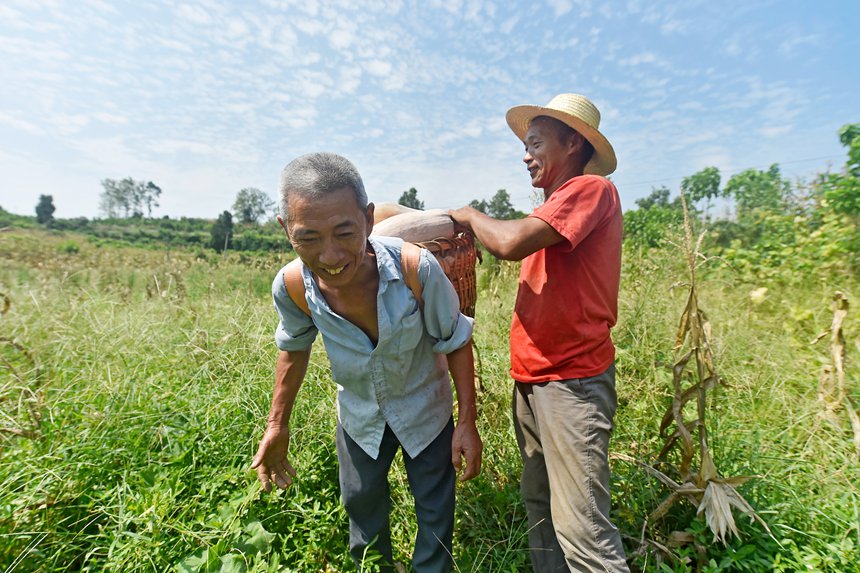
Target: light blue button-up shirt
403,380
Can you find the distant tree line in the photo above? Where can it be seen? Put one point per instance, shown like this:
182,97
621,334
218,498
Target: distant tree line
127,197
770,218
773,223
123,203
498,207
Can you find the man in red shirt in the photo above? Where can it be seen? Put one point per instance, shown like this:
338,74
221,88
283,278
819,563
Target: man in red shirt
562,355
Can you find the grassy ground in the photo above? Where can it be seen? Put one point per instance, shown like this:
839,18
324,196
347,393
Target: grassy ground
134,386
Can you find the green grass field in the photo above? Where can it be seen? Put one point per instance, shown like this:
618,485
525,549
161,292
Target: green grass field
134,385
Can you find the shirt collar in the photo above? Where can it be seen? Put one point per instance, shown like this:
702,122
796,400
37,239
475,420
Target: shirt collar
384,261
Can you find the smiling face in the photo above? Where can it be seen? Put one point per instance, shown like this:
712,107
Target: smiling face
551,154
329,233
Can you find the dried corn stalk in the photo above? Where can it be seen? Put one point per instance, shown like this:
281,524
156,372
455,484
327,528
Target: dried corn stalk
699,483
832,392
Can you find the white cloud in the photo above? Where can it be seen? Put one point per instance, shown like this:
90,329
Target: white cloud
69,124
775,130
20,124
639,59
560,7
732,45
236,28
194,14
298,117
309,26
509,24
111,119
341,38
378,68
179,145
673,26
350,79
175,45
795,42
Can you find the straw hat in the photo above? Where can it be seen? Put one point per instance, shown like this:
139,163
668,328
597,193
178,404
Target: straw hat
577,112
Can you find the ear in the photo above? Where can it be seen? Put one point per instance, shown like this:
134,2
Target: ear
369,217
283,225
575,144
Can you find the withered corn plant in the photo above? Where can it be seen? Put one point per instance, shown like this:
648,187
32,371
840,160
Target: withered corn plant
20,381
833,395
696,478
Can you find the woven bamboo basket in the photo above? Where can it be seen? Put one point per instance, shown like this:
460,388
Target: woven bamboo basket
457,257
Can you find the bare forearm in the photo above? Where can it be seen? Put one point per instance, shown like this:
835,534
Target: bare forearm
289,374
461,364
511,240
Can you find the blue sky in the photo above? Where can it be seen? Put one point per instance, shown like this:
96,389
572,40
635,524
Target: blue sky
206,97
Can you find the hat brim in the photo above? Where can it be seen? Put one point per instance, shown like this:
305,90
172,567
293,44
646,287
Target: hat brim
603,162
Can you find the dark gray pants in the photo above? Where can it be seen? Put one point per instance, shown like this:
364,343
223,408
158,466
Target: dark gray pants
563,431
366,497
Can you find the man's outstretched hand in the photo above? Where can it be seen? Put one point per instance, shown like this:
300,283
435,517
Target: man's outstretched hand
271,460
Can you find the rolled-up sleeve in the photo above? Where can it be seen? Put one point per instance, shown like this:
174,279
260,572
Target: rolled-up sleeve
442,317
296,330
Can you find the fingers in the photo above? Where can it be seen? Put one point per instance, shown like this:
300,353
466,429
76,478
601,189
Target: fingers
473,464
466,444
281,473
455,457
281,479
263,476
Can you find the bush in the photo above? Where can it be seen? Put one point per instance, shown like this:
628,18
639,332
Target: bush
69,248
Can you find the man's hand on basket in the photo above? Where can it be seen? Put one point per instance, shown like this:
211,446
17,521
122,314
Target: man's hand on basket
461,219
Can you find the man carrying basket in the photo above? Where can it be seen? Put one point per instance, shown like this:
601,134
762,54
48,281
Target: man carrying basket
562,356
390,356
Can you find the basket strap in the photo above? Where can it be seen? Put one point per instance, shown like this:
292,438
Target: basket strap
296,285
410,255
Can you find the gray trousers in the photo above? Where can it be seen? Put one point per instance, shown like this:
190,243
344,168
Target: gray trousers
367,498
563,431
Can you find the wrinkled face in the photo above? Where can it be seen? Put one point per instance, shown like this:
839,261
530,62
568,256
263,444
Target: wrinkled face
330,234
547,155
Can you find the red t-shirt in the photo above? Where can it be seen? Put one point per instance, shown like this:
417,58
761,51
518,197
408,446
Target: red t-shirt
568,293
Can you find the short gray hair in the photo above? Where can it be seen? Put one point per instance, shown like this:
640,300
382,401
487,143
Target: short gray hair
316,174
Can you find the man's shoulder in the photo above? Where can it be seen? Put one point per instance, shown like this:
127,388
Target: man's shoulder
585,189
391,244
278,280
590,181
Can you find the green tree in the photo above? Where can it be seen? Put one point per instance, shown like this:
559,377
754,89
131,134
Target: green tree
842,190
147,195
127,197
251,204
659,197
45,210
758,194
656,215
410,199
221,232
500,207
479,205
702,185
849,136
